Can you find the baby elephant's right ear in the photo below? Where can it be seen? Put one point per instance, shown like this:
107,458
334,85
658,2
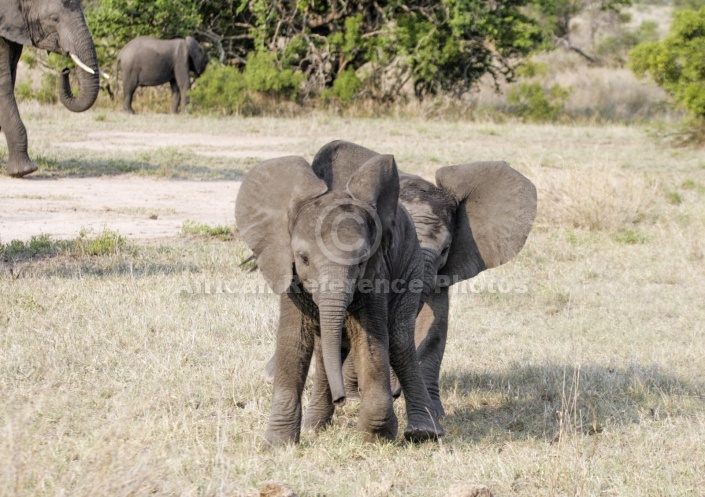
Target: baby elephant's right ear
266,196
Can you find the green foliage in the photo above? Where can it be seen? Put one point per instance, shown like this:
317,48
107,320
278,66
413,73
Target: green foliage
48,92
531,69
674,198
345,86
689,4
221,89
630,237
534,103
199,229
677,63
108,242
263,74
23,92
36,247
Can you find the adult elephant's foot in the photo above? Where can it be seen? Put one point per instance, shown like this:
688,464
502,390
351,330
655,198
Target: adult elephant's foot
422,428
438,407
316,418
22,167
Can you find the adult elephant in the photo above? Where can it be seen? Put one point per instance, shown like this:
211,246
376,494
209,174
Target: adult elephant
147,61
477,216
53,25
343,258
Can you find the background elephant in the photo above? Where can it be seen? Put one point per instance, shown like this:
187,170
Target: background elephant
477,216
316,246
54,25
147,61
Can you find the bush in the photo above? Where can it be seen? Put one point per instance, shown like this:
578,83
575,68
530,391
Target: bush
676,63
263,74
220,89
533,103
345,86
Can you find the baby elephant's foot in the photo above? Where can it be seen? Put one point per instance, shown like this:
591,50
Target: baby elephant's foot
278,438
386,432
19,168
316,419
423,429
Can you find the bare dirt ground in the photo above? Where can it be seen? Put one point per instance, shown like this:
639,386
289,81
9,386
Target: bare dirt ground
140,208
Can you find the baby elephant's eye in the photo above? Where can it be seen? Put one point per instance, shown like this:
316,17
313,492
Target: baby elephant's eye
445,250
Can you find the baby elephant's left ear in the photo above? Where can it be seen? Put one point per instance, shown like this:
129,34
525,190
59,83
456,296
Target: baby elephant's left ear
496,208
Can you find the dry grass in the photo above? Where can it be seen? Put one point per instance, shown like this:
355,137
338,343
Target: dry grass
574,370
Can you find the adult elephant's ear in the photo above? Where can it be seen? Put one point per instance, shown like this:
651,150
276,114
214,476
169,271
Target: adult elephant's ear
496,208
376,183
269,194
13,25
336,162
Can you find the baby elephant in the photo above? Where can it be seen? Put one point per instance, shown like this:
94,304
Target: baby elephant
348,269
147,61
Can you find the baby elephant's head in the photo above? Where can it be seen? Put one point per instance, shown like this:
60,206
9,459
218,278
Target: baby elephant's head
299,229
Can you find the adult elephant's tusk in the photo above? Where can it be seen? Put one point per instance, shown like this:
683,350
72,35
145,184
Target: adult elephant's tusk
81,64
104,74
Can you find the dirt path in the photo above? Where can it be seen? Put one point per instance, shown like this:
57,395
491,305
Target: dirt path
139,208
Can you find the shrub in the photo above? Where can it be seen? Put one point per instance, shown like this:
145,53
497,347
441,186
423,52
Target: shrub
345,86
676,63
533,103
263,74
220,89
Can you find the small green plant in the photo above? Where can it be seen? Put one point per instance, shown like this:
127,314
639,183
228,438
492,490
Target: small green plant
108,242
37,246
199,229
531,69
689,184
674,198
23,92
630,237
533,103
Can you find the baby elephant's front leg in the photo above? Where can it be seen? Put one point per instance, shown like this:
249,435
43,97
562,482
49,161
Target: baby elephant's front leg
292,358
371,356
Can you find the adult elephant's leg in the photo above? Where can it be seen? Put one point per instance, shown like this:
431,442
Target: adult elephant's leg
175,97
422,417
320,409
368,334
430,336
292,357
19,163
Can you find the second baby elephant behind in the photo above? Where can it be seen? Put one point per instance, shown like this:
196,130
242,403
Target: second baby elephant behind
147,61
344,261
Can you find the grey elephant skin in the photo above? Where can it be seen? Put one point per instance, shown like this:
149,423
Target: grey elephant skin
331,252
53,25
477,216
147,61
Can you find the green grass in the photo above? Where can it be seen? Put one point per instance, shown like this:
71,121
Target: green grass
139,370
107,242
200,229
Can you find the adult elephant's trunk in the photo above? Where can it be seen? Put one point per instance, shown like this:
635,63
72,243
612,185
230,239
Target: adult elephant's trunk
86,60
332,306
